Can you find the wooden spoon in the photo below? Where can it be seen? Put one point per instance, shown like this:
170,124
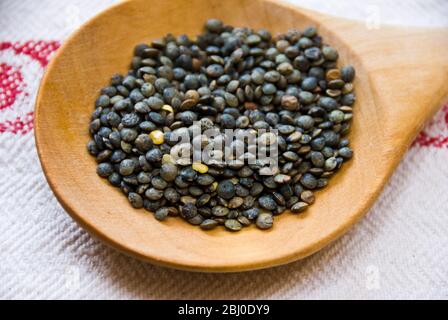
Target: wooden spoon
402,77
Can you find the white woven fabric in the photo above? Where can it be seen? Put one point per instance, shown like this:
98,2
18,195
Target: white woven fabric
400,250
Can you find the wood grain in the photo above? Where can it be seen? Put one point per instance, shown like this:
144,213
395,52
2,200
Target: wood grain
402,78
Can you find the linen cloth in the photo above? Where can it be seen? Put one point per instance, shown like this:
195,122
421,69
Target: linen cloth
399,250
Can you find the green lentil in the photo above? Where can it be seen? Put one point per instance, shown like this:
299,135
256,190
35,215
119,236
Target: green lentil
264,221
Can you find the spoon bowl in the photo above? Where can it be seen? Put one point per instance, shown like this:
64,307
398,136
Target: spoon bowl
402,79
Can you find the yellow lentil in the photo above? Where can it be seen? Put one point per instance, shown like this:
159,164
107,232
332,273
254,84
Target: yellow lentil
199,167
157,137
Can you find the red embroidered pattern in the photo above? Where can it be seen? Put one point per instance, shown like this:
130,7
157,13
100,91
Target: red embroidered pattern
19,124
436,132
38,50
12,83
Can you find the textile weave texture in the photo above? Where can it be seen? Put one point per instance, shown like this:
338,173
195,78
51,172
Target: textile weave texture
398,251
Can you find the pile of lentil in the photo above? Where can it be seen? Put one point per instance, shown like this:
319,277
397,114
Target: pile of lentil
229,78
